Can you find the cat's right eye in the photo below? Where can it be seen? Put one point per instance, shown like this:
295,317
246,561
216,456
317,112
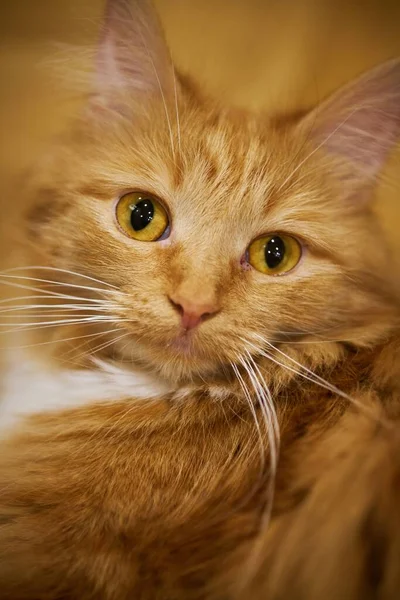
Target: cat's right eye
142,217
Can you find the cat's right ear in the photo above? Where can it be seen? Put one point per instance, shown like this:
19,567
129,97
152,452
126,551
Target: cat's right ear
132,57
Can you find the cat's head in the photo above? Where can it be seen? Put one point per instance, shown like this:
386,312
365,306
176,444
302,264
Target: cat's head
216,228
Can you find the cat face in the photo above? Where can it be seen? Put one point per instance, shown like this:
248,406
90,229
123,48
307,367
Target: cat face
217,229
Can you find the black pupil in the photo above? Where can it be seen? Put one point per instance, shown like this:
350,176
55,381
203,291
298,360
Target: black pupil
274,252
142,214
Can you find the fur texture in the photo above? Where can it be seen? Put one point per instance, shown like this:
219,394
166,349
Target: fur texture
183,496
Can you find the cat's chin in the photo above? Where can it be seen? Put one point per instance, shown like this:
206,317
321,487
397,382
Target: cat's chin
182,357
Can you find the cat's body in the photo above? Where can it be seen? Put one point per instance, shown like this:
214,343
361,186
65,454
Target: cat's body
200,425
164,499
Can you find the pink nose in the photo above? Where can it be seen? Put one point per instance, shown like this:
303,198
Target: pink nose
192,313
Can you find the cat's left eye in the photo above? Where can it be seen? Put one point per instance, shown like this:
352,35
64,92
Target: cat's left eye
274,254
142,217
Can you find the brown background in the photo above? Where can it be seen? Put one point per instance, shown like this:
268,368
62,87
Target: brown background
259,53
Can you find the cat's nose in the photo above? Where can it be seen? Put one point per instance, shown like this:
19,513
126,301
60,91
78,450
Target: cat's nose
193,312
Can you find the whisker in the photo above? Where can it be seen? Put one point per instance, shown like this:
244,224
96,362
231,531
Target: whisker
38,326
41,296
89,352
314,378
59,341
52,309
56,283
59,270
269,415
272,416
47,293
272,426
253,412
108,343
56,320
43,318
86,352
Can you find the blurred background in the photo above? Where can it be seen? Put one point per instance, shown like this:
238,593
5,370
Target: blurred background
272,54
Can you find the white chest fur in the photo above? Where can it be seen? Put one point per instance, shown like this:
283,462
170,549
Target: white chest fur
29,388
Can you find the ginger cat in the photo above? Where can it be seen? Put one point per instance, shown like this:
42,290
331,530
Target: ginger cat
204,399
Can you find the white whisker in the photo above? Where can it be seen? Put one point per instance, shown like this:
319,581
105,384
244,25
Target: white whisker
56,283
63,340
267,396
309,375
313,375
270,418
58,270
56,320
47,293
26,318
20,327
272,426
43,297
253,411
47,309
107,344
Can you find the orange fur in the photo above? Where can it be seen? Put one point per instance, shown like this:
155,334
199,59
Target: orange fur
174,497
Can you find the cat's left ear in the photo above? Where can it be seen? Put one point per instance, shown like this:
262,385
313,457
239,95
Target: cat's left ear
359,125
133,56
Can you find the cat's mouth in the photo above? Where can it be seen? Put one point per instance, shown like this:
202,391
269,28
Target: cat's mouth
180,353
183,343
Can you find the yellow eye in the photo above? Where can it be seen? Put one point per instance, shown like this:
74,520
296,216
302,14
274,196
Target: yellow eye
274,254
142,217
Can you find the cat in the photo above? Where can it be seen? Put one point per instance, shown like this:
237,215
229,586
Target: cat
204,397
